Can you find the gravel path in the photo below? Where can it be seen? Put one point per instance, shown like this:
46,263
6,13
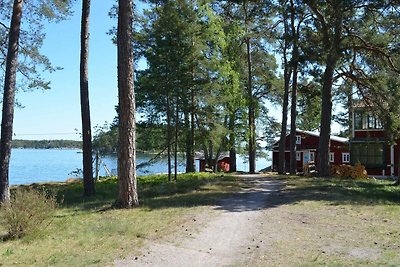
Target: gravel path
229,237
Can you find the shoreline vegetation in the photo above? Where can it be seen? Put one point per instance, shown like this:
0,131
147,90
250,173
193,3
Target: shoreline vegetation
47,144
66,144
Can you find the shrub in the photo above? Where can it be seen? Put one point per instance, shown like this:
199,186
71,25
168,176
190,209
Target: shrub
27,212
349,172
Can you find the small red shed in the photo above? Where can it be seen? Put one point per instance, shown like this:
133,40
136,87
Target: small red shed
222,164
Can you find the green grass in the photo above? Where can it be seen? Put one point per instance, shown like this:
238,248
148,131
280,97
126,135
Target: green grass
341,191
88,231
332,222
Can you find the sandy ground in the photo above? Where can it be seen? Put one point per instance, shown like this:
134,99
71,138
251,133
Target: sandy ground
228,235
270,223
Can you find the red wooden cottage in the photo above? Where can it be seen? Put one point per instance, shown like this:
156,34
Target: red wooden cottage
369,144
307,150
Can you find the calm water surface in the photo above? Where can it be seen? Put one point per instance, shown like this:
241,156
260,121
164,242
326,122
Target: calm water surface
57,165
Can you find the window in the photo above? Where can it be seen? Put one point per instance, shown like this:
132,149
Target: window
345,157
368,154
363,121
312,156
298,139
357,120
298,156
332,157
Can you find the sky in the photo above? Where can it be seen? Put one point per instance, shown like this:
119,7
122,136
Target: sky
55,113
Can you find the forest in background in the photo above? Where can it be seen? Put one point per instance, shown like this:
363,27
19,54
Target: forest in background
46,144
215,70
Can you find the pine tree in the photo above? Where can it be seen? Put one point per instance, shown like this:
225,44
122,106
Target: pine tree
88,182
127,184
35,12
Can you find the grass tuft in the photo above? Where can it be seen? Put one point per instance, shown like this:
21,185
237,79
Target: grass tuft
27,212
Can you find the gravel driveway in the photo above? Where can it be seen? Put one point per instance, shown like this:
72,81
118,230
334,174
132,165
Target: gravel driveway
226,234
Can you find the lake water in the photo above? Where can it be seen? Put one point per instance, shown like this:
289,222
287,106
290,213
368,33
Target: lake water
57,165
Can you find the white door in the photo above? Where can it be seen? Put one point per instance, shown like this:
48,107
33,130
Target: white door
306,157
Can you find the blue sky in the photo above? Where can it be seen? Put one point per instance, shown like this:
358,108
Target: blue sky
55,114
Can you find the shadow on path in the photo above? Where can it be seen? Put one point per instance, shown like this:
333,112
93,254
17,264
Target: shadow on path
256,195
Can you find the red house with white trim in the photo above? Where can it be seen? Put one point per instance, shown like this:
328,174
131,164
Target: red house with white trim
307,150
370,144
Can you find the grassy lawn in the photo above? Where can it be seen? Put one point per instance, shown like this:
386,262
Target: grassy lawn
87,231
310,222
331,222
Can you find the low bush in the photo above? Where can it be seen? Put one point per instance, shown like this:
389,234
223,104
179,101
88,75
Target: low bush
27,212
349,172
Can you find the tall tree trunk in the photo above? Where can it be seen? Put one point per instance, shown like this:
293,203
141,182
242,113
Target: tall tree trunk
332,46
169,137
188,147
9,100
192,129
127,184
210,160
282,139
397,182
293,112
326,114
190,126
232,143
176,139
88,182
190,160
286,75
252,115
293,115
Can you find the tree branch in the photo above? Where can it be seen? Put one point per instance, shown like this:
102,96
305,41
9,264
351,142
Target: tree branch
369,47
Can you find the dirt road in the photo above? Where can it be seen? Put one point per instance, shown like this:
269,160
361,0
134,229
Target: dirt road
228,234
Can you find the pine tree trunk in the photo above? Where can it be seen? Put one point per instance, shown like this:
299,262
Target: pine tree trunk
286,75
192,166
189,146
88,182
293,113
332,46
252,115
326,114
282,139
127,184
232,143
190,127
169,137
9,100
176,140
397,183
192,130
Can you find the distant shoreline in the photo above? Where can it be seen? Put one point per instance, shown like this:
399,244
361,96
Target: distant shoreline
46,144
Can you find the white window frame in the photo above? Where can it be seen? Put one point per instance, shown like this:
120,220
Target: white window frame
312,156
346,157
298,139
298,155
331,157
